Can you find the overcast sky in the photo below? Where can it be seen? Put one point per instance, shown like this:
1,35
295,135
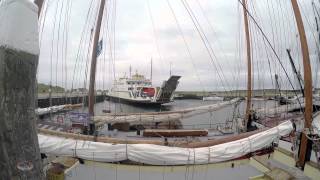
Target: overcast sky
135,31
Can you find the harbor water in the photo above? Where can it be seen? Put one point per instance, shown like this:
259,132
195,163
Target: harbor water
206,120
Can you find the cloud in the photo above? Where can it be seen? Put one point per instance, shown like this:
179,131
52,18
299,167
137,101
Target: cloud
139,38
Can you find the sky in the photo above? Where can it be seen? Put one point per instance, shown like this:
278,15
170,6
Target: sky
210,55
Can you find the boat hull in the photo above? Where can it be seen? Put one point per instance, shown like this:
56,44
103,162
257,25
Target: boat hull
146,103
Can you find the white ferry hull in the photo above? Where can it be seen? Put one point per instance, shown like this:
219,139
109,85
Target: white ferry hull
144,95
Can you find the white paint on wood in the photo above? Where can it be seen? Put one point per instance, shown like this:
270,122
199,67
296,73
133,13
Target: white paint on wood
18,25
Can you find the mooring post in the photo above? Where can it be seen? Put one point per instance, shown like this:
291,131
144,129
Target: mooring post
19,52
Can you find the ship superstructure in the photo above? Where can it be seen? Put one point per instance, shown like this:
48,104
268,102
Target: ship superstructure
139,90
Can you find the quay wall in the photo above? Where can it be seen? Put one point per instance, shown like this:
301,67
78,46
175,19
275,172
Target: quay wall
60,99
267,93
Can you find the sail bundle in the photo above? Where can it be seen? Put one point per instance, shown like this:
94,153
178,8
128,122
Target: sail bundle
161,155
51,109
164,116
279,109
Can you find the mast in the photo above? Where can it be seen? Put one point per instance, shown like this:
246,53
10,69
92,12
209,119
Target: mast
304,152
316,18
298,75
170,68
276,77
91,96
248,46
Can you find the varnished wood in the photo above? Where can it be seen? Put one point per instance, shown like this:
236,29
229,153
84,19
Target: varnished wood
213,142
173,132
248,53
307,81
94,59
177,143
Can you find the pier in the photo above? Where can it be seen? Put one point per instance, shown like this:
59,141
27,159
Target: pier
61,98
266,93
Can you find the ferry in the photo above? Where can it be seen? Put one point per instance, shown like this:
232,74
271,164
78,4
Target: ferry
139,90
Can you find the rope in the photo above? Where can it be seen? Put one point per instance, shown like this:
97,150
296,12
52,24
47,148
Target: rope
75,149
186,175
250,145
126,149
272,48
205,41
186,44
194,162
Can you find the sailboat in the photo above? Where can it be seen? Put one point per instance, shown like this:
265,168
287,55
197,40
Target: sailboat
226,153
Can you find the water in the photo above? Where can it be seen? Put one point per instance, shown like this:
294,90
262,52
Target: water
202,121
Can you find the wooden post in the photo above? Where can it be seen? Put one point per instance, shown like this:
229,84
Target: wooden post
94,64
303,151
19,52
248,46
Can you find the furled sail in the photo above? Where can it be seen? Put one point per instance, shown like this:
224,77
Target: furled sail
55,109
52,109
164,116
279,109
161,155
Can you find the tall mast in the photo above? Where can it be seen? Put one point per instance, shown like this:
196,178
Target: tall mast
94,64
248,46
303,151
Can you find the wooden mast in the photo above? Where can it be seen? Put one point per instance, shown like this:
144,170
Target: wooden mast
307,83
91,97
248,46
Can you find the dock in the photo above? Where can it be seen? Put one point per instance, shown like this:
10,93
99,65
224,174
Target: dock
61,98
259,93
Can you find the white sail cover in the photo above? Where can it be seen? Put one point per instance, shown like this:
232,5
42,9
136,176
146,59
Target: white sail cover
279,109
52,109
161,155
17,34
164,117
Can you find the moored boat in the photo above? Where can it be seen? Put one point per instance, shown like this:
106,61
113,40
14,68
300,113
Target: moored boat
138,90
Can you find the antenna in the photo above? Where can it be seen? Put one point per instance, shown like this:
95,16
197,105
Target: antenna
170,68
151,71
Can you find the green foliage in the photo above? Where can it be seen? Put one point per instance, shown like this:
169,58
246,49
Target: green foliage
44,88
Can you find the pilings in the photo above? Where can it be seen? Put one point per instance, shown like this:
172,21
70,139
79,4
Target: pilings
44,102
19,52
